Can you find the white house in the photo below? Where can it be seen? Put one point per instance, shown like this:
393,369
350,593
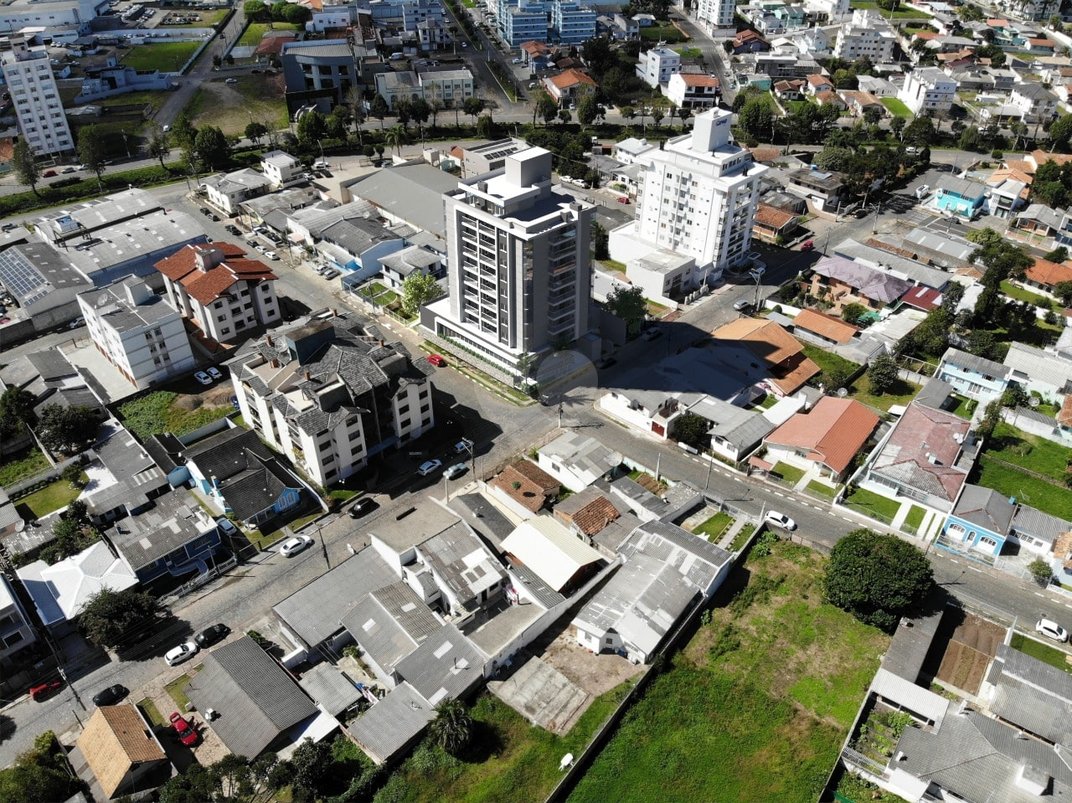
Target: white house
663,276
577,460
693,90
1038,104
928,90
655,66
281,169
227,190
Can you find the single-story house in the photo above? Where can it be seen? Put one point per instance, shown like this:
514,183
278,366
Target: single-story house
122,751
824,440
773,225
827,328
840,282
556,555
577,460
984,520
960,196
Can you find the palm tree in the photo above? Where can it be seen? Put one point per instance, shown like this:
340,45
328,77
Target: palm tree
452,728
395,137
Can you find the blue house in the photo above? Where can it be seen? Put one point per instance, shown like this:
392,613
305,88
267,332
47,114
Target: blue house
976,377
960,197
981,520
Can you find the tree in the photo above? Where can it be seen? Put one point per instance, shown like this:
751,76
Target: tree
882,374
1041,571
183,132
312,127
26,168
255,131
73,475
159,144
694,430
256,11
402,107
587,110
297,14
851,313
91,151
835,158
452,729
658,113
877,578
897,126
16,411
546,109
211,147
41,773
115,618
1063,290
417,290
628,304
599,55
473,106
600,242
310,765
564,115
1059,254
485,126
395,137
420,111
755,118
66,429
378,109
1061,133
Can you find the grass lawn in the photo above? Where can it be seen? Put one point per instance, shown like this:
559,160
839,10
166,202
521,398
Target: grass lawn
1020,294
656,310
742,537
757,704
965,406
1043,652
154,99
613,264
901,393
382,295
914,517
177,688
822,489
871,504
896,107
253,33
229,106
163,56
662,33
1046,496
23,466
152,713
516,761
689,52
52,497
828,361
899,14
767,401
165,411
715,526
1030,451
791,474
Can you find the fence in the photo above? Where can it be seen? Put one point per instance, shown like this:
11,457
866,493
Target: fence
202,579
26,487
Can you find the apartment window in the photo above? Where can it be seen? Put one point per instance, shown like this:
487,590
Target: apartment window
225,330
403,423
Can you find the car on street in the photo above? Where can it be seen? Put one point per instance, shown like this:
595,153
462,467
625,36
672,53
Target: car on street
110,696
463,446
233,229
363,507
455,471
437,360
295,545
177,655
44,690
235,404
330,274
653,333
215,372
48,174
203,378
185,729
204,211
76,323
742,305
1050,629
260,249
922,190
623,200
776,519
211,635
69,169
231,81
429,466
271,255
807,245
213,217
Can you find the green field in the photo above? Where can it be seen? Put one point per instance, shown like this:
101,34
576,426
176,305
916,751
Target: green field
965,406
828,362
822,489
896,107
899,14
231,107
871,504
791,474
1043,652
165,411
914,517
52,497
1029,451
256,31
756,706
662,33
901,393
1046,496
163,56
715,527
22,466
1020,294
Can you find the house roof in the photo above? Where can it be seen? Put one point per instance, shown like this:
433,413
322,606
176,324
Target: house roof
527,493
963,187
1064,416
590,512
225,265
768,341
697,560
485,519
570,78
825,325
698,79
223,455
924,298
1037,524
772,217
971,362
1040,366
581,454
410,192
170,521
920,434
869,282
392,723
462,563
444,667
1048,273
390,623
986,508
551,551
330,688
833,432
256,698
61,590
115,739
819,80
826,96
258,487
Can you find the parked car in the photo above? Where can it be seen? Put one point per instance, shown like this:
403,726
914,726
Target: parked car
177,655
742,305
1050,629
233,229
69,169
213,217
429,466
653,333
455,471
214,372
48,174
922,191
271,255
463,446
807,245
42,691
623,200
330,273
210,635
437,360
185,729
235,404
776,519
110,696
204,211
292,546
203,378
363,507
227,526
231,81
77,322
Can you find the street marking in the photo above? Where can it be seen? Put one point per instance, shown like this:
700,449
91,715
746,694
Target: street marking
779,493
975,570
1039,594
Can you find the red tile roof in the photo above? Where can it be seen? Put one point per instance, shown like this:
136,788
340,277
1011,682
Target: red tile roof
529,493
924,298
824,325
785,358
207,285
698,79
1049,273
773,218
594,516
833,432
922,450
565,80
819,80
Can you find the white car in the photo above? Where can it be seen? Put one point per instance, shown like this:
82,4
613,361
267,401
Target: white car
1050,629
184,652
922,190
214,372
292,546
429,466
455,471
776,519
271,255
203,378
231,81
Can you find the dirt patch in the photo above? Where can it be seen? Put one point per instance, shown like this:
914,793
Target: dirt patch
971,643
596,674
231,106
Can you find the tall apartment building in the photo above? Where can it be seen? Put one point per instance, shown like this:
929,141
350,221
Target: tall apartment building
574,21
330,396
137,331
222,292
716,13
42,122
526,22
698,199
928,90
866,36
518,264
655,66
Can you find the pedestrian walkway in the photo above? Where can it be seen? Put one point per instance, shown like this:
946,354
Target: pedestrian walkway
731,533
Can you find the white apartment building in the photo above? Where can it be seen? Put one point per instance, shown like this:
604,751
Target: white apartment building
280,168
693,90
518,264
450,87
137,332
866,36
220,290
833,10
16,631
928,90
227,190
698,199
330,397
42,121
716,13
655,66
1038,104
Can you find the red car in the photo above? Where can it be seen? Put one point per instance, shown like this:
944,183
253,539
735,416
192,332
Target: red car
436,360
42,691
188,734
623,200
807,245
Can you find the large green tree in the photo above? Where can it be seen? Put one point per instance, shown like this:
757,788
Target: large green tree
695,430
628,304
16,411
452,729
27,170
91,150
159,144
117,618
211,148
418,289
66,429
755,118
882,374
40,774
312,127
877,578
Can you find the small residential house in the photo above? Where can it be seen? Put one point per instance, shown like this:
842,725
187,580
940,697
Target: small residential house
577,460
664,277
818,83
558,557
959,196
749,41
1038,104
984,520
121,750
976,377
790,89
1038,371
773,225
824,440
281,169
826,329
1040,220
787,366
569,86
227,190
657,64
693,90
824,189
840,282
831,98
524,488
1045,275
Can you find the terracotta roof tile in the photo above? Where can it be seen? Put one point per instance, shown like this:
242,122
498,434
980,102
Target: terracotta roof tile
698,79
1049,273
1064,416
825,326
772,217
594,516
819,80
833,432
533,473
571,77
527,493
207,286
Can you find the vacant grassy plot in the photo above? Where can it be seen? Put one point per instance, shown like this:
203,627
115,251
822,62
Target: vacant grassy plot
896,107
154,99
1020,294
1046,496
715,526
756,706
230,106
871,504
899,14
21,467
901,393
662,33
163,56
516,760
1043,652
54,496
165,411
1037,454
828,362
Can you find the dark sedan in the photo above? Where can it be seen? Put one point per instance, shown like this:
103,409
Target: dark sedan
363,507
210,635
110,696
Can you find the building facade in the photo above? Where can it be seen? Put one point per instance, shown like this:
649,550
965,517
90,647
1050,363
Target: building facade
655,66
38,107
928,90
866,36
716,13
573,21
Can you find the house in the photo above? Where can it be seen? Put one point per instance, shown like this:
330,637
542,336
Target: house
773,225
693,90
281,169
1008,191
984,520
1045,275
959,196
1037,103
398,85
656,65
122,752
445,667
348,237
414,260
925,459
824,440
629,150
749,41
827,329
587,512
976,377
555,555
734,431
666,572
392,724
569,86
922,298
789,368
840,282
1040,220
227,190
466,576
577,461
255,700
824,189
859,103
664,277
1038,371
819,83
831,98
792,89
524,487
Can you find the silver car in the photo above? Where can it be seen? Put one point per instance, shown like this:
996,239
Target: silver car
177,655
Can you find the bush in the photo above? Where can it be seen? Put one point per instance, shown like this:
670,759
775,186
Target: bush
1040,571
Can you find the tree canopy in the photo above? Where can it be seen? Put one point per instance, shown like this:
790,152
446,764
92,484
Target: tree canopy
882,374
116,618
16,411
418,289
66,429
41,773
452,729
27,170
693,430
628,304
